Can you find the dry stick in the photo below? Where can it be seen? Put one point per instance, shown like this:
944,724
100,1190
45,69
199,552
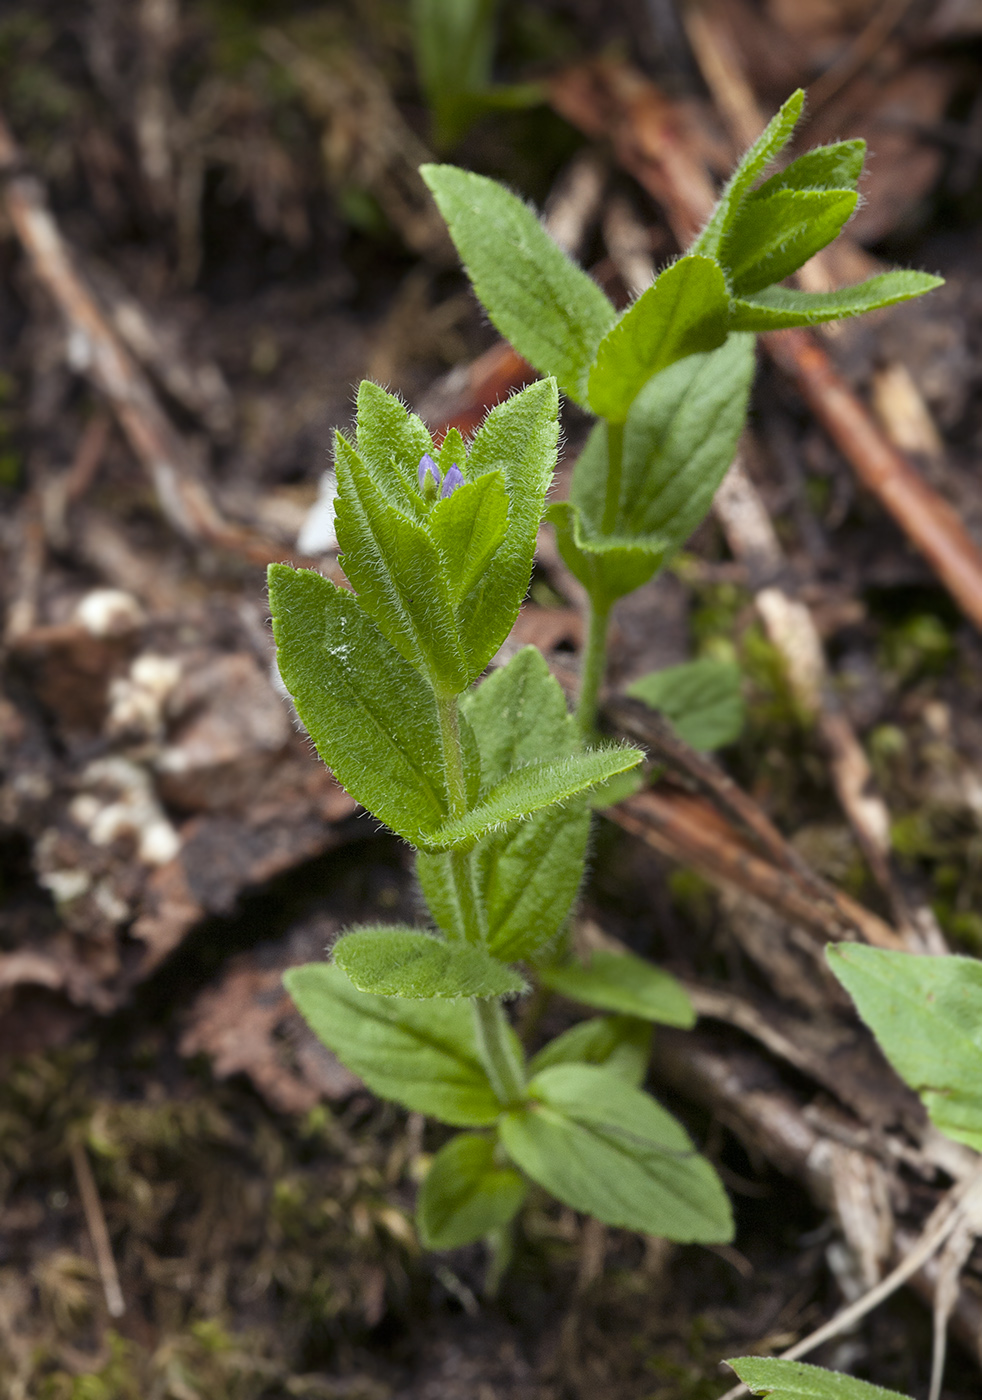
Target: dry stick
952,1211
98,1231
951,1262
739,1088
609,101
95,349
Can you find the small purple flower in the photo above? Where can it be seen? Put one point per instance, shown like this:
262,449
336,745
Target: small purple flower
451,481
429,477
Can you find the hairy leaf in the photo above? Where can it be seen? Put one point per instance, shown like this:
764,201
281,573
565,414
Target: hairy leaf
519,440
422,1055
390,442
834,167
771,238
701,698
609,566
466,1194
467,527
526,876
526,790
794,1380
624,983
777,308
405,962
620,1044
604,1147
396,570
536,296
370,714
926,1013
765,149
684,311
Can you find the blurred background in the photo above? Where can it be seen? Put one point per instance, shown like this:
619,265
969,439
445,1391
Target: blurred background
211,227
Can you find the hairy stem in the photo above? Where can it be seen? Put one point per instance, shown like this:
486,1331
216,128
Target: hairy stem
615,459
592,673
453,758
497,1051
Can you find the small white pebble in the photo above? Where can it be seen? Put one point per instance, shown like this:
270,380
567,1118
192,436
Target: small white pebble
109,612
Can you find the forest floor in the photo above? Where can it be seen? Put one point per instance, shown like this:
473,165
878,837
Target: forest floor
198,1201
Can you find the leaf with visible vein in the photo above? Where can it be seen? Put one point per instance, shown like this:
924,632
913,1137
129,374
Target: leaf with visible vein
795,1380
467,1194
406,962
536,296
777,308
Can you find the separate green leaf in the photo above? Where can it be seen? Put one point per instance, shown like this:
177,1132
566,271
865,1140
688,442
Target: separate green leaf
620,1044
420,1054
765,149
795,1380
684,311
702,699
518,439
466,1194
771,238
395,568
540,301
926,1013
528,789
371,716
777,308
624,983
467,527
526,876
604,1147
834,167
390,442
452,453
405,962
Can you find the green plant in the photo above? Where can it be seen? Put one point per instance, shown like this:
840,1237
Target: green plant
794,1380
492,783
454,44
669,378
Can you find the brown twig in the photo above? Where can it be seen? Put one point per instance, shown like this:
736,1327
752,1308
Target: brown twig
96,351
98,1230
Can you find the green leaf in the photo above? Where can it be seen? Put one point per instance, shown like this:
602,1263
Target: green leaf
794,1380
684,311
620,1044
390,442
609,566
604,1147
466,1194
405,962
518,439
422,1055
528,789
626,984
834,167
467,527
395,568
549,309
679,440
771,238
526,876
777,308
768,145
370,714
452,453
702,699
926,1013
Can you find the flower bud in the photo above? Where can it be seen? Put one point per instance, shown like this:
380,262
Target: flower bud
451,481
429,477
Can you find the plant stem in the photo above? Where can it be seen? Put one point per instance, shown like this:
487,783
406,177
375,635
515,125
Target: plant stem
497,1051
592,672
453,759
615,459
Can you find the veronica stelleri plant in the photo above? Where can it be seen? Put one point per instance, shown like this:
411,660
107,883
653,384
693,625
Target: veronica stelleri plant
492,783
